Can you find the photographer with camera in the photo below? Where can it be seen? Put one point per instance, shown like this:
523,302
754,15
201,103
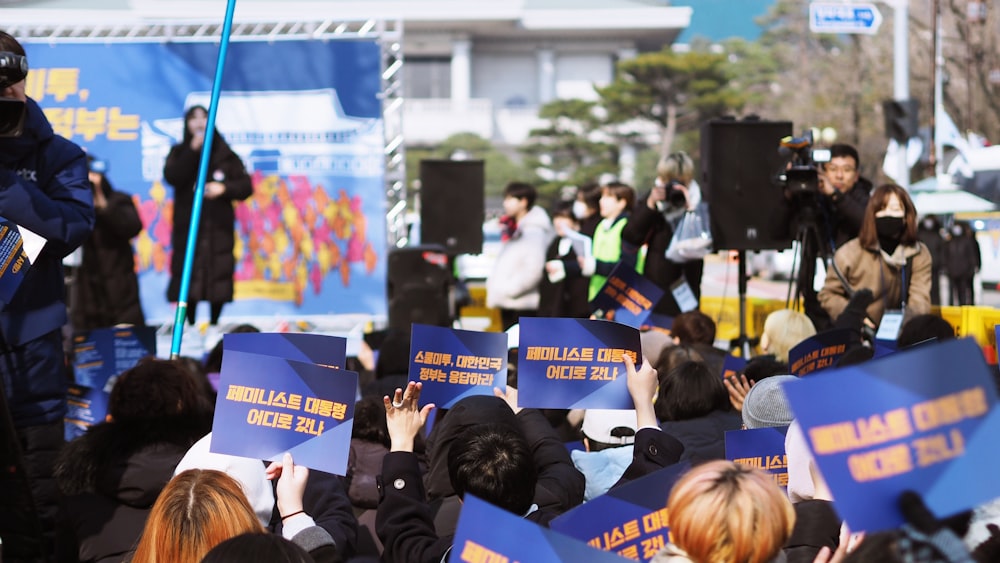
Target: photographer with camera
653,221
832,217
43,188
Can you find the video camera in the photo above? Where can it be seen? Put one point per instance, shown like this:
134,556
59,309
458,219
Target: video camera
675,198
13,69
801,173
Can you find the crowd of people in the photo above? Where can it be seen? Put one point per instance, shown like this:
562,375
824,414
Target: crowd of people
143,486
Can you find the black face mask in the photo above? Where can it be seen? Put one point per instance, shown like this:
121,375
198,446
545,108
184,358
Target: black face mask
888,227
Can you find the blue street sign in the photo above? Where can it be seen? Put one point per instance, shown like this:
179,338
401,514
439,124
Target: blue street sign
840,17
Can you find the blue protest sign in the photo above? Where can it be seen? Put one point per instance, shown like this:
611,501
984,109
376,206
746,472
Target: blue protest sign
454,364
733,366
920,419
85,408
317,349
101,354
269,405
655,321
762,448
574,363
628,294
631,520
819,351
18,249
487,533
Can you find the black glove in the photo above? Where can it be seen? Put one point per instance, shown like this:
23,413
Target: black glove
925,531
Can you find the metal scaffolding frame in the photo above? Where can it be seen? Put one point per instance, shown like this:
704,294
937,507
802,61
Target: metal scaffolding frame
388,34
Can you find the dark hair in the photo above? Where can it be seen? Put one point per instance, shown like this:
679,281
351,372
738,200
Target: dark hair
213,363
565,210
762,367
217,140
868,237
494,463
521,190
694,327
268,548
153,389
369,421
11,45
620,191
841,150
924,327
590,193
674,356
393,354
689,391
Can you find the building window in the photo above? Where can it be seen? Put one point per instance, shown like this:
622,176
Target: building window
427,77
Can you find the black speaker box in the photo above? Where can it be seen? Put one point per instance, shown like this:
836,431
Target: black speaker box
451,205
740,161
419,286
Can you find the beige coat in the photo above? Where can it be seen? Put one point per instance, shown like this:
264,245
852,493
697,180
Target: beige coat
882,274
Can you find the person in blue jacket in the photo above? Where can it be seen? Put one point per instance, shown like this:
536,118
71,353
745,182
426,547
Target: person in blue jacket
44,188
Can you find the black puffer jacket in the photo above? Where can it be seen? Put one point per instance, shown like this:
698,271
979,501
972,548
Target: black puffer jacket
110,477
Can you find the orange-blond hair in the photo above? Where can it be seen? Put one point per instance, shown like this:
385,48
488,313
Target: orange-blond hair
721,511
197,510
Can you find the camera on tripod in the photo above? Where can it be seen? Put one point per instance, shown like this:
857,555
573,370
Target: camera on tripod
13,69
801,173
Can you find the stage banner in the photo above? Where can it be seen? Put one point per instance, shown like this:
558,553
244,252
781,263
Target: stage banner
486,533
101,355
631,520
922,420
574,363
305,117
269,405
628,295
820,351
761,448
454,364
320,349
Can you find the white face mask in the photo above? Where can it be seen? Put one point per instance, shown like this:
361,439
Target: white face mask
957,231
580,209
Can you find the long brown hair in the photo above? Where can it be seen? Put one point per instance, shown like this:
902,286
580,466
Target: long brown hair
197,510
868,237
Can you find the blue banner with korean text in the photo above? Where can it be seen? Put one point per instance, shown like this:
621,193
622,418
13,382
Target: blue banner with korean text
269,405
486,533
921,419
102,354
628,294
454,364
15,258
575,363
85,407
820,351
317,349
311,240
761,448
733,366
631,520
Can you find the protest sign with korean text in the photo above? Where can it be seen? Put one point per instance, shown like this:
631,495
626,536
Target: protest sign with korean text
820,351
761,448
628,294
85,407
486,533
100,355
269,405
318,349
920,419
630,520
19,248
575,363
453,364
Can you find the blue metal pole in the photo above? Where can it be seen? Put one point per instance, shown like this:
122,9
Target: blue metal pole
199,191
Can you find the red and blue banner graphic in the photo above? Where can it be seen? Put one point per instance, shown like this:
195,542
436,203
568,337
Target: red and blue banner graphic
575,363
921,419
304,116
454,364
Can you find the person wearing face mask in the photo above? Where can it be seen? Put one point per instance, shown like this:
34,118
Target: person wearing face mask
962,261
929,233
587,208
885,258
563,289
